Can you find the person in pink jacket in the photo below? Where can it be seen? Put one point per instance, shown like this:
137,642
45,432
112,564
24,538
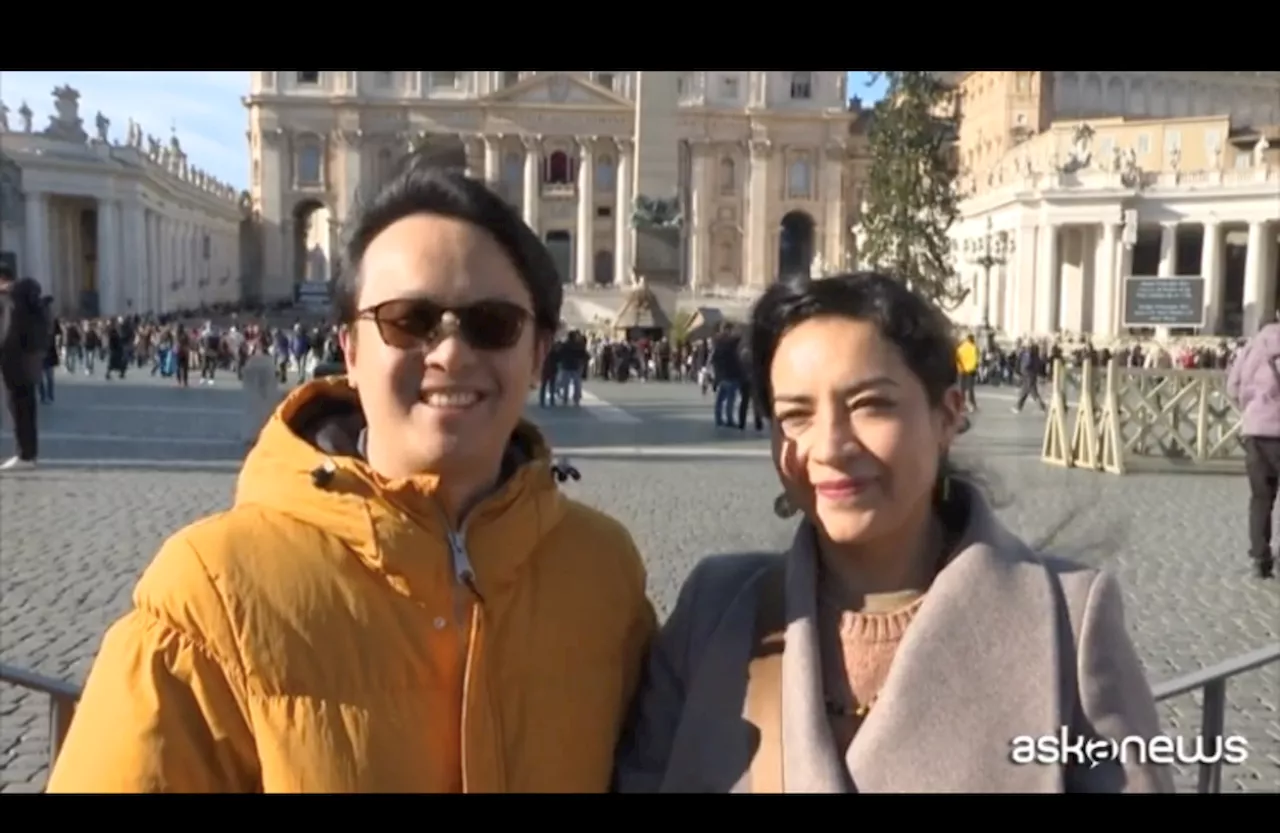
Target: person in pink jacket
1253,383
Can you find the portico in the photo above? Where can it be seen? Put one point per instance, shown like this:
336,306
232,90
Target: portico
1069,252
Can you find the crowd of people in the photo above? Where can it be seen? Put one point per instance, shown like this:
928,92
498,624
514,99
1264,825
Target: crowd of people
38,346
172,347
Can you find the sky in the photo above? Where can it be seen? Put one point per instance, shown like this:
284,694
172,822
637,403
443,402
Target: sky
203,108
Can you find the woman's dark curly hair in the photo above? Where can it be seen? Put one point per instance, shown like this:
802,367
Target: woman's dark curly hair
918,328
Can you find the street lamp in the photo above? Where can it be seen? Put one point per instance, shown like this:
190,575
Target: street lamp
990,253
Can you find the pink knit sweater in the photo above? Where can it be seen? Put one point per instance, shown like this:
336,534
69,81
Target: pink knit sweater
857,649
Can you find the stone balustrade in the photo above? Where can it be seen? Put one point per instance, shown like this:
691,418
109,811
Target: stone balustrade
66,126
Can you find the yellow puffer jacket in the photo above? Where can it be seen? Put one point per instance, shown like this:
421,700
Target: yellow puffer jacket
330,633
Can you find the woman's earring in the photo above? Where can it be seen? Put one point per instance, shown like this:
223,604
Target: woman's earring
783,507
946,488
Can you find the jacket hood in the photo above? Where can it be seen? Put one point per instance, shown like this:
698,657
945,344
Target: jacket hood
308,465
1268,338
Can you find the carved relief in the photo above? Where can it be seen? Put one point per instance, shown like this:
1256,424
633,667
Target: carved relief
760,149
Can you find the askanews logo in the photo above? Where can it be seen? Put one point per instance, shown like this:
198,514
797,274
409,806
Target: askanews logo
1066,749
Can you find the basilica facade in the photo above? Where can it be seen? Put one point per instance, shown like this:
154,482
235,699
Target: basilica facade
767,174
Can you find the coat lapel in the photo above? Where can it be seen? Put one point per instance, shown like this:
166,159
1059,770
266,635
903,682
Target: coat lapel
978,666
810,762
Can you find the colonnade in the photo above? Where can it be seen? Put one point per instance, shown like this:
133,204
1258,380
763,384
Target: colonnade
1070,276
143,260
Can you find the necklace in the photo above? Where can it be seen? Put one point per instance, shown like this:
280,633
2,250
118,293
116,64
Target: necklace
835,709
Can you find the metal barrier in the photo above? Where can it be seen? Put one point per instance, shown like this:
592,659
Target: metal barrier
1125,418
1213,710
62,701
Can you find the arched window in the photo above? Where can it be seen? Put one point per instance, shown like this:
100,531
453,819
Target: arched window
798,179
728,176
557,170
512,169
512,175
604,173
309,163
801,86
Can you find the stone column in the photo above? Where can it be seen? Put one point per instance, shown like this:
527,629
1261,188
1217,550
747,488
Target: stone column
108,278
531,200
1257,306
1047,273
1211,272
349,144
155,268
622,215
134,261
147,279
1168,250
35,254
164,243
1124,270
474,147
1105,297
831,192
760,270
492,160
585,241
1168,262
699,219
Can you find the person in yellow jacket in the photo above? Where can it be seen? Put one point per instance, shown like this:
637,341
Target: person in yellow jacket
400,599
967,358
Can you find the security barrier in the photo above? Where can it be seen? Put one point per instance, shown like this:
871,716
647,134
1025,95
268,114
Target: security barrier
1126,419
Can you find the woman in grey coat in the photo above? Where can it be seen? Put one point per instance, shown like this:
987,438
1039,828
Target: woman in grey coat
907,642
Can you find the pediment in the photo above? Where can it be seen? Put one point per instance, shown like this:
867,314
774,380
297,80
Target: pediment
559,88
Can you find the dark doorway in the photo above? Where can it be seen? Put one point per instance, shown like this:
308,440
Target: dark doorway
560,245
795,245
604,268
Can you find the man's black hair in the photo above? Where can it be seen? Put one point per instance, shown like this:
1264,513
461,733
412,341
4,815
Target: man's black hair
422,187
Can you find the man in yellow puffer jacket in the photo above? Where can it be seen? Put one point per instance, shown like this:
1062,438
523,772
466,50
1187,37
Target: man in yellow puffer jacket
400,598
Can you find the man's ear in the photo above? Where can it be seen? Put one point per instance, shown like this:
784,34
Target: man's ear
347,341
541,346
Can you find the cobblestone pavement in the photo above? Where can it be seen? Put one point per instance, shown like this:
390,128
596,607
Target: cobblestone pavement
125,464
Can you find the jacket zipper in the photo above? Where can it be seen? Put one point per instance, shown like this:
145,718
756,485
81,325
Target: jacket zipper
465,577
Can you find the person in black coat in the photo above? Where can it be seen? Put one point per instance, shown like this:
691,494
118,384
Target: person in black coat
24,339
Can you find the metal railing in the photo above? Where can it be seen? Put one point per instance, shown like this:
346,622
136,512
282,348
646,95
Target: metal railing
1212,680
62,701
1213,709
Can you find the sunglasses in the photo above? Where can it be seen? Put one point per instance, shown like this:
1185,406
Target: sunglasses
414,323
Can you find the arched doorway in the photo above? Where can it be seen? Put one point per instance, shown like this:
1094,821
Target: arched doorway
603,268
795,244
560,245
312,246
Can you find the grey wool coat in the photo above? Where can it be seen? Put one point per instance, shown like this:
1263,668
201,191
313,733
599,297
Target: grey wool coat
1007,643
